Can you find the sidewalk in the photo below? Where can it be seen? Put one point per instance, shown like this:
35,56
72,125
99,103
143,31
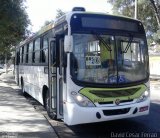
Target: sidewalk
18,119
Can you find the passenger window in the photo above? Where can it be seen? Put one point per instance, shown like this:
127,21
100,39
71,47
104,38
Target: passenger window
30,52
37,56
22,55
44,50
53,52
27,48
25,54
37,50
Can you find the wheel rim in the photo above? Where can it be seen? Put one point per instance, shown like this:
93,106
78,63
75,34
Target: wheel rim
46,102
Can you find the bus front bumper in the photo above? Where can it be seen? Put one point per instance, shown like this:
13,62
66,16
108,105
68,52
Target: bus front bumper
74,114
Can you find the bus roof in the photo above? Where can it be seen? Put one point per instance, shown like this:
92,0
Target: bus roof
64,18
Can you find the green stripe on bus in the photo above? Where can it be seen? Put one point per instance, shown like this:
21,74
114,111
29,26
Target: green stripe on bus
94,98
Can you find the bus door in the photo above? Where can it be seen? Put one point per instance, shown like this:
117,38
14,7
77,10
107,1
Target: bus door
61,76
54,79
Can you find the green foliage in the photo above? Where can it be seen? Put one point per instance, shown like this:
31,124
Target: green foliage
13,24
59,14
156,36
47,22
156,8
146,13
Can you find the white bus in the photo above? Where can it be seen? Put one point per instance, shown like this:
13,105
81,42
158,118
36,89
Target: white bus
87,67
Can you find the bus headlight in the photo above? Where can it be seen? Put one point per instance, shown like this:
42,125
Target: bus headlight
143,97
82,100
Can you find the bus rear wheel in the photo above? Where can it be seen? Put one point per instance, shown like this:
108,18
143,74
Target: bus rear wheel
22,88
50,113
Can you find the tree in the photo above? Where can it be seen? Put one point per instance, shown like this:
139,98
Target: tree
156,7
156,36
13,24
59,13
46,23
146,13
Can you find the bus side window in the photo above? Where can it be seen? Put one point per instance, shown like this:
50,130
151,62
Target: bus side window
43,56
25,54
53,52
30,52
37,50
44,50
22,54
61,45
27,48
18,57
33,53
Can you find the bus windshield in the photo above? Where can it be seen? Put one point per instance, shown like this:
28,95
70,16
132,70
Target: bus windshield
109,59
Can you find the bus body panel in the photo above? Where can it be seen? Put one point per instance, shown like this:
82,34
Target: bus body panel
34,79
75,114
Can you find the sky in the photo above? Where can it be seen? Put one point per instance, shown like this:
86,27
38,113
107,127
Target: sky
40,11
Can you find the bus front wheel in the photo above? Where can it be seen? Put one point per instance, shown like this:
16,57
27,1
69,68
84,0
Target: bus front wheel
50,113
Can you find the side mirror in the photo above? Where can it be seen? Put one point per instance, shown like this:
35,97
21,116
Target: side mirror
68,43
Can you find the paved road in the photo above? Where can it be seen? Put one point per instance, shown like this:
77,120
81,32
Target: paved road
18,118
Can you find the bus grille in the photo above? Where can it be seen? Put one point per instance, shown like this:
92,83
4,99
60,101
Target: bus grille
114,93
122,101
116,111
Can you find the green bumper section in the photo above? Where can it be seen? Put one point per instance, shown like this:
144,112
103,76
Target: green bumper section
109,95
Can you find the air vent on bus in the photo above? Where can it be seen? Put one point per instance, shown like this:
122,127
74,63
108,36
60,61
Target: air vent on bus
78,9
115,93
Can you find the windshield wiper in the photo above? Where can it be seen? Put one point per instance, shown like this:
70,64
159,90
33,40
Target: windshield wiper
103,41
128,45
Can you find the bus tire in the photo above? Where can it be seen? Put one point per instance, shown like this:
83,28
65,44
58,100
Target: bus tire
51,114
22,88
